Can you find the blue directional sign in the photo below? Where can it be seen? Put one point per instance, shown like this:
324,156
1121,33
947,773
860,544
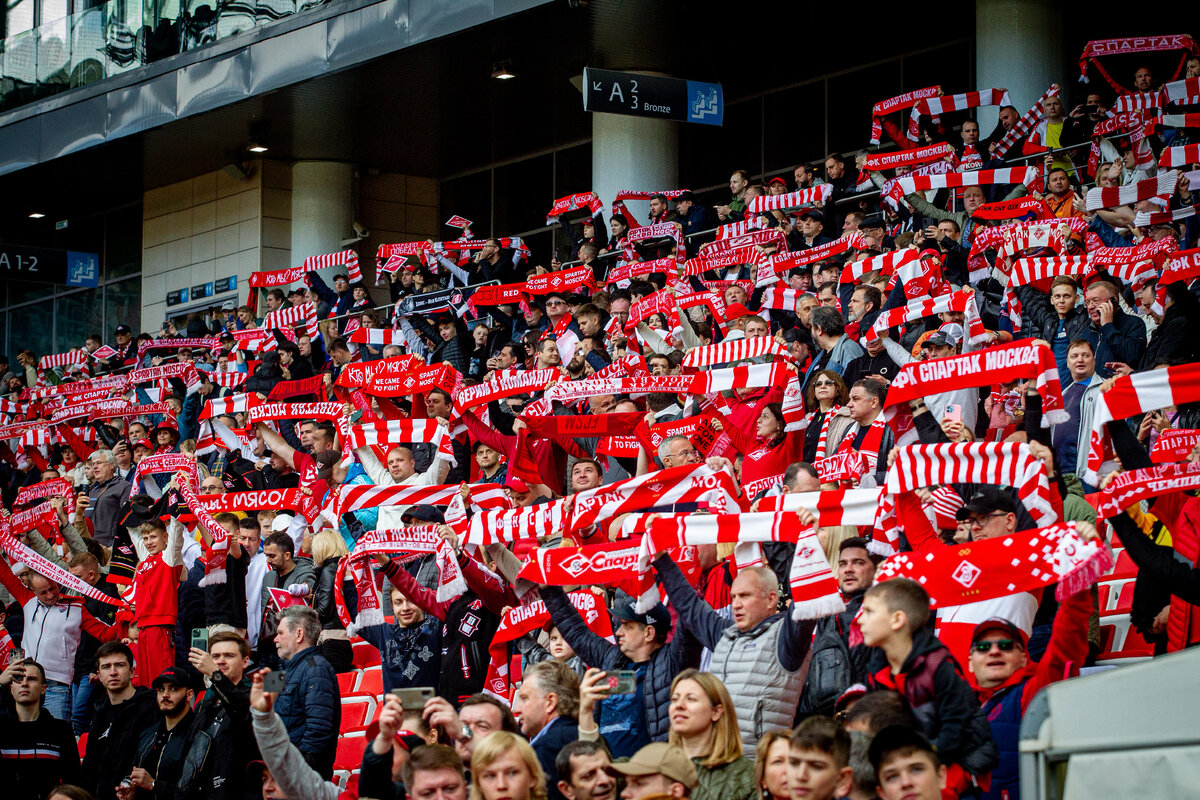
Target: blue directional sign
638,95
44,265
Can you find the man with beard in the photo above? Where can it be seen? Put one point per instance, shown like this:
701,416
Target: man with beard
163,746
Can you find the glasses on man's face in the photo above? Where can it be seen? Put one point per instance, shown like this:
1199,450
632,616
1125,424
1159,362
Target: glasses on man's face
980,521
985,646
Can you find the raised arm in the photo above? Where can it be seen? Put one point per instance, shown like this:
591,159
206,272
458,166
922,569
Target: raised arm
694,614
422,598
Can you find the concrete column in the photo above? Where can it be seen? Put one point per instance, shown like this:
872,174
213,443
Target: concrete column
322,209
1018,45
633,153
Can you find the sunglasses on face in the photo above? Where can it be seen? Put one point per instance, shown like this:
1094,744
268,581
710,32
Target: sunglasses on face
985,646
824,383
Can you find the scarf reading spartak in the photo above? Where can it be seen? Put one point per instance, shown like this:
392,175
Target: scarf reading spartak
1095,49
521,620
897,103
993,463
55,487
16,551
1173,446
331,412
1136,394
1129,121
203,343
1004,565
734,350
1001,364
636,269
1162,186
574,202
907,158
567,280
214,566
962,301
936,106
1025,124
1137,485
618,203
756,376
157,464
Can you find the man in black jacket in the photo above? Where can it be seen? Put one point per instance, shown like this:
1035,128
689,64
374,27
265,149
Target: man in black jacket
163,746
222,739
310,704
836,664
121,716
38,750
85,567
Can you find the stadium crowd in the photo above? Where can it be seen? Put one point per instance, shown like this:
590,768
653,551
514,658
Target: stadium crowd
720,506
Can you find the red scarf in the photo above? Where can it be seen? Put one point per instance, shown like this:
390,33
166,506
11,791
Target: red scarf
214,565
686,483
870,443
55,487
1140,484
823,438
574,202
847,466
1025,124
1109,197
48,569
897,103
567,280
1173,446
1097,48
1003,566
907,158
395,377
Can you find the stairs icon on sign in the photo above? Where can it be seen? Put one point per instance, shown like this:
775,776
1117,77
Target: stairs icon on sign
704,103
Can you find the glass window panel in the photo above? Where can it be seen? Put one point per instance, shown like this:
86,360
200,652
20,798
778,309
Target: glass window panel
848,132
77,315
572,171
33,328
54,54
4,337
738,142
19,16
122,304
793,134
23,291
469,196
53,10
123,242
524,191
87,46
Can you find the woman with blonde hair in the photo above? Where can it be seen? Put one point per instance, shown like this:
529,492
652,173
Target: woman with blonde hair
328,549
704,725
771,765
831,538
504,766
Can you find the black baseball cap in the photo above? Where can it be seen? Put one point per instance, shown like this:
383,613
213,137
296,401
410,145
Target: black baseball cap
175,675
658,616
813,214
989,499
124,329
423,513
340,277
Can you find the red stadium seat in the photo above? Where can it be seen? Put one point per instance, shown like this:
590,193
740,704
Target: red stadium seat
347,681
357,712
371,683
1124,568
365,655
349,753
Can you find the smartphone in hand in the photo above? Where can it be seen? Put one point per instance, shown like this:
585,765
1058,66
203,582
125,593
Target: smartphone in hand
274,681
954,412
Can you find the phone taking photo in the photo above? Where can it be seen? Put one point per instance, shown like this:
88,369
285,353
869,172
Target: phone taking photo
413,697
200,639
954,412
274,681
622,681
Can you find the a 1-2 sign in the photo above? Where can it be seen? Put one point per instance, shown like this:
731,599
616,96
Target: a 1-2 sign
638,95
44,265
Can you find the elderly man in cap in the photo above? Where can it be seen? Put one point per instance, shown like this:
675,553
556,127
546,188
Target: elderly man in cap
641,646
163,746
657,769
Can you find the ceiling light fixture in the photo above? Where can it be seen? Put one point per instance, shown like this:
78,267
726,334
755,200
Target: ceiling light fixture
502,70
257,147
36,215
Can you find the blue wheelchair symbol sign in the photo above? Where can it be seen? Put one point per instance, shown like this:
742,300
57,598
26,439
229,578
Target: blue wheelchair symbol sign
83,269
705,103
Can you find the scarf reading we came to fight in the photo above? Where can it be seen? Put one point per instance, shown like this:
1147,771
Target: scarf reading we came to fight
48,569
993,463
1135,394
519,621
954,575
1020,360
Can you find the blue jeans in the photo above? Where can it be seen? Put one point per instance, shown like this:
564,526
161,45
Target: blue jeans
81,704
58,700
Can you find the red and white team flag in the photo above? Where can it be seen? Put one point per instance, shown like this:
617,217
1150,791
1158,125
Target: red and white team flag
377,336
962,301
346,258
783,202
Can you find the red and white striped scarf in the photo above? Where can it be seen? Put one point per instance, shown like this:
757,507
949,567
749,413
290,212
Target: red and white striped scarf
397,431
1134,394
636,269
659,230
1179,157
1025,124
734,350
618,203
769,269
823,436
1001,364
780,299
833,507
1129,121
891,193
956,180
287,319
1174,120
1162,186
897,103
1143,218
228,380
907,158
157,464
783,202
1182,91
234,404
331,412
961,301
936,106
735,229
346,258
377,336
870,445
1004,565
68,359
218,551
993,463
755,376
1183,266
1131,487
886,263
920,278
185,370
350,498
574,202
504,526
687,483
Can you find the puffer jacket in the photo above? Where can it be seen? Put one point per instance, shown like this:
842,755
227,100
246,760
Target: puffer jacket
763,668
732,781
681,652
942,701
222,744
311,708
835,665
